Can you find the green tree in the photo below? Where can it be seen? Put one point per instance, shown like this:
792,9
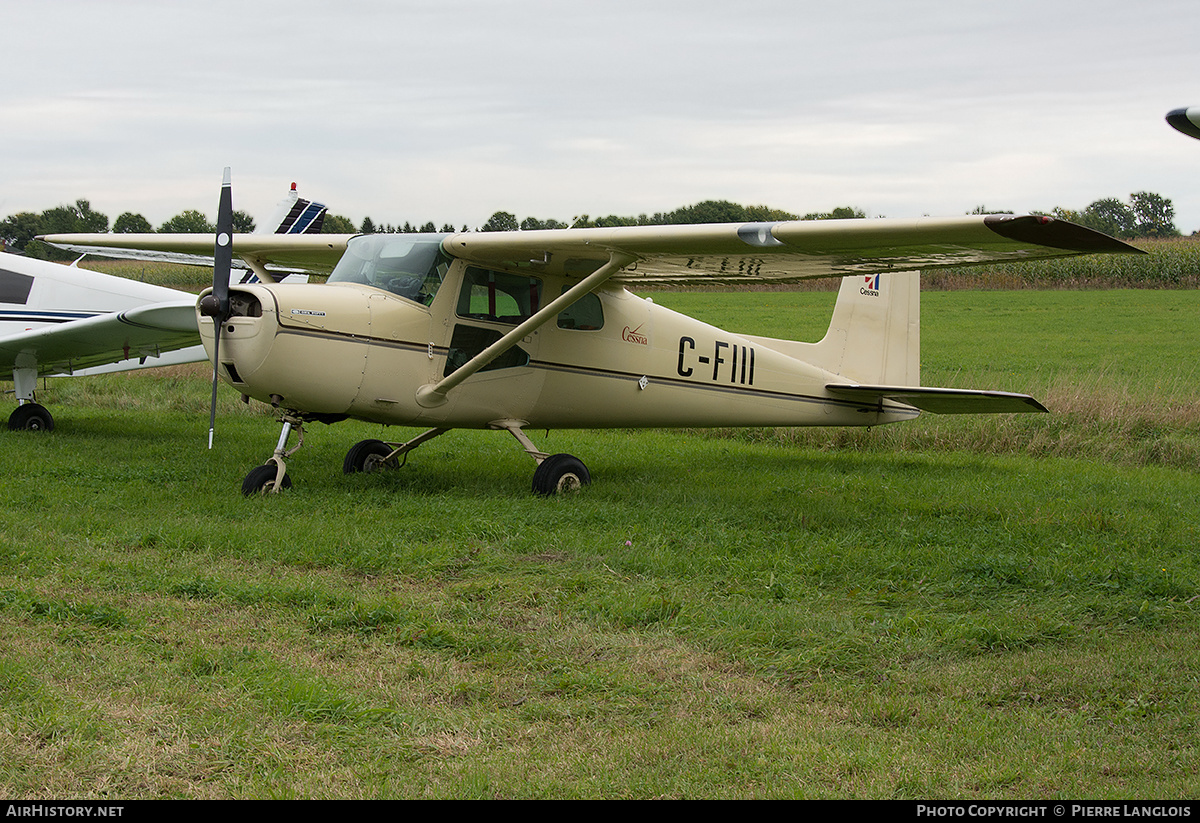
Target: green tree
766,214
534,224
130,223
18,229
368,226
188,222
501,221
1153,215
839,213
77,218
1070,215
337,224
1110,216
709,211
242,223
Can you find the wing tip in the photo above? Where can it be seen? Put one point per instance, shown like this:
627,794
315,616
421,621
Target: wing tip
1180,120
1043,230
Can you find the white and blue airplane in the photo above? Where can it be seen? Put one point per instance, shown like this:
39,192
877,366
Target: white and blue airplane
58,319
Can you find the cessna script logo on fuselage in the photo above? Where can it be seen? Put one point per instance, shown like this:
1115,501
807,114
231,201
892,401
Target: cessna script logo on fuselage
635,336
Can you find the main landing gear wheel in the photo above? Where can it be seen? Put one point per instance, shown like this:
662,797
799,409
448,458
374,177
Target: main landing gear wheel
31,417
369,456
560,474
261,480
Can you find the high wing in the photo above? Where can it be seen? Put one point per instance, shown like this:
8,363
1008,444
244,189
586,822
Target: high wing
784,252
311,253
141,332
688,255
706,254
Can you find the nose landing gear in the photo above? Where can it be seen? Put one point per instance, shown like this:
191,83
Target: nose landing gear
272,477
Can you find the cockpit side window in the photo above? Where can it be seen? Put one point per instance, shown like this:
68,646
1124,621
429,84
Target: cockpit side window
410,266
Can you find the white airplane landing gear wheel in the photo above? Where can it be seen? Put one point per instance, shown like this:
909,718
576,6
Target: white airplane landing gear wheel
31,417
560,474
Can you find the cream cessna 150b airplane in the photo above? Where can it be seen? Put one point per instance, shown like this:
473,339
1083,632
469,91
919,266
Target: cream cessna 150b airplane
57,319
537,329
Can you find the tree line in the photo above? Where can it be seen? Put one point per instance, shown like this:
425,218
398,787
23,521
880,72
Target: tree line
1145,214
17,231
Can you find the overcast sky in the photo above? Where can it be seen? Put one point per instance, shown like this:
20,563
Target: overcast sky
451,110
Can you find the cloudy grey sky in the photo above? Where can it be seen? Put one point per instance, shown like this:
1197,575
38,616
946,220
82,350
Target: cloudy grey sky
451,110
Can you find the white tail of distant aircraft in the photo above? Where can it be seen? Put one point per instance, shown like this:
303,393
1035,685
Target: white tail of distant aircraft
59,319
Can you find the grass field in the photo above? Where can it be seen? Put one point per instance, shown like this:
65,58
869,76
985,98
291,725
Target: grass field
954,608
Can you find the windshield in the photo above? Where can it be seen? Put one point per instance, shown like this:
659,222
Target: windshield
409,265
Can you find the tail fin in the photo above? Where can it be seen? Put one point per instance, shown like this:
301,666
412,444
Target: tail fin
874,346
295,215
874,336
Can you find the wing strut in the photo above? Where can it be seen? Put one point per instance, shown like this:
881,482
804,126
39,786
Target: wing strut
434,394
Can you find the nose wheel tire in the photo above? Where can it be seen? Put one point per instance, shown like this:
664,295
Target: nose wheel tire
31,417
560,474
261,480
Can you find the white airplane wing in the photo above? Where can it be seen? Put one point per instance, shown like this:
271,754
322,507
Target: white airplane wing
143,332
785,252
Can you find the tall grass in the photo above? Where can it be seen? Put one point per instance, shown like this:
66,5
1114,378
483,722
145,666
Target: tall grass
172,275
1168,264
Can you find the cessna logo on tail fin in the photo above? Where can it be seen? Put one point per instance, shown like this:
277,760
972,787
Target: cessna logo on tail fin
871,289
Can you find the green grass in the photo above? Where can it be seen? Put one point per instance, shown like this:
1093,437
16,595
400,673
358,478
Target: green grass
932,614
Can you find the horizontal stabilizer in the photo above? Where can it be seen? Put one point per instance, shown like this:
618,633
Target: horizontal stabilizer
942,401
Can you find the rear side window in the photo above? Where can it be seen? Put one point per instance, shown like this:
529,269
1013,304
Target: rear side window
14,288
498,297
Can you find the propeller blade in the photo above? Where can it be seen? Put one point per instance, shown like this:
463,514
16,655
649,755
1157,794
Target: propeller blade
216,305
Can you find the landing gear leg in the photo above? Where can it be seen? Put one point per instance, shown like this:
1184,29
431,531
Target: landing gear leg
28,415
556,473
272,477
